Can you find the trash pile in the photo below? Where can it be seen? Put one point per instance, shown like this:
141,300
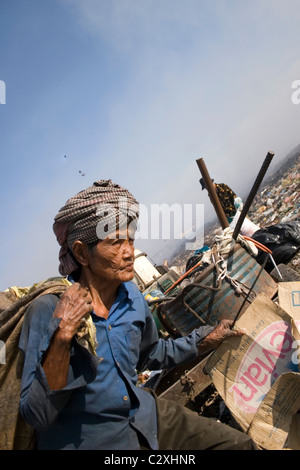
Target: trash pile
278,201
276,210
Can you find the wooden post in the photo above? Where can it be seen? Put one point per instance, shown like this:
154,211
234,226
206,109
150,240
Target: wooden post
212,194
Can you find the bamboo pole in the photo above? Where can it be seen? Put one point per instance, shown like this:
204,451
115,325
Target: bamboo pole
212,193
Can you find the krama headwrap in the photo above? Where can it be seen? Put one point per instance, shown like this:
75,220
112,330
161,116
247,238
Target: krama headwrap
90,216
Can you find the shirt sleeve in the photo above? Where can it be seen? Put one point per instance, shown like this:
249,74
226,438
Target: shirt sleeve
39,405
158,353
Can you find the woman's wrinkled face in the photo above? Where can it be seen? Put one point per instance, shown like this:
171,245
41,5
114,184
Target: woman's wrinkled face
113,258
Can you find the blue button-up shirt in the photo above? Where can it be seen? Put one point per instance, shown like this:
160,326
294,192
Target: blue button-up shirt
101,407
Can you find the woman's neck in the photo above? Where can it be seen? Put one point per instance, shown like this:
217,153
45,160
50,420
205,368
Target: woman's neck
103,292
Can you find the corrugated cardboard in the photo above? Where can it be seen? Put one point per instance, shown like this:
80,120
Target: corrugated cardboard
289,300
257,374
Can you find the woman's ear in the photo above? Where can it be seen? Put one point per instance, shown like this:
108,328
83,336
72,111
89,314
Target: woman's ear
80,252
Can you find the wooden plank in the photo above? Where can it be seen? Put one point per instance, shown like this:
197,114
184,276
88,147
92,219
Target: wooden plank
190,384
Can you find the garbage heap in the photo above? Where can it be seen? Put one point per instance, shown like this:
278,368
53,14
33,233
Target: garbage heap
278,201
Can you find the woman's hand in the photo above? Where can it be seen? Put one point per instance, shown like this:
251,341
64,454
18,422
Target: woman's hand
73,308
216,337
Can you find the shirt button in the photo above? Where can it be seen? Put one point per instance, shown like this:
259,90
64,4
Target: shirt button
125,398
109,327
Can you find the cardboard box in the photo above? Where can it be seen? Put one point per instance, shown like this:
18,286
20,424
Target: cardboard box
257,374
289,300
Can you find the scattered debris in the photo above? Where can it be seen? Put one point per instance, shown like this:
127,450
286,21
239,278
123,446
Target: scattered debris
258,374
210,404
278,201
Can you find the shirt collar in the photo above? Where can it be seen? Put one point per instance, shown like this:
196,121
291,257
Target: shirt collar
129,289
126,289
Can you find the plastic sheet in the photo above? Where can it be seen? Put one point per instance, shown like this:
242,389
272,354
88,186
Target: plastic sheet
282,239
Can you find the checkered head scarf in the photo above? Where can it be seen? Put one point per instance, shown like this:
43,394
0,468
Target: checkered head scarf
92,215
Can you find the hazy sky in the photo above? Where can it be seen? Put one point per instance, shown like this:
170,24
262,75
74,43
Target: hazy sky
135,91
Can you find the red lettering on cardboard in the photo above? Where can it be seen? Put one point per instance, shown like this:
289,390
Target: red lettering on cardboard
254,378
253,390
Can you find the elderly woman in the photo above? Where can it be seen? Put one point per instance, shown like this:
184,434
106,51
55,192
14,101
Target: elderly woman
79,400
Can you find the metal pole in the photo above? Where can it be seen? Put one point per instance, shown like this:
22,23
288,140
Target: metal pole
212,193
252,193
